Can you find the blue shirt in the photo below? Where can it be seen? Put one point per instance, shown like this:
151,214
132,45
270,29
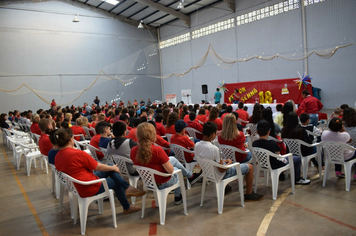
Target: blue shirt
103,142
51,155
217,96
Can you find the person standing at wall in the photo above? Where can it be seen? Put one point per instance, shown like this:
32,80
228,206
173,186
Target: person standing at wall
53,103
217,96
236,97
310,105
96,101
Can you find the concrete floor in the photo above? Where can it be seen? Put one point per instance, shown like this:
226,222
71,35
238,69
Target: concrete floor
29,208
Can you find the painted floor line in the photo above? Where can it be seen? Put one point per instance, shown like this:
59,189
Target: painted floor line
153,226
27,199
322,215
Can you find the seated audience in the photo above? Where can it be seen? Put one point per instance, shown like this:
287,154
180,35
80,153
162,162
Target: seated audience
201,115
160,130
279,110
349,118
213,117
35,129
194,123
3,123
83,167
132,134
182,139
206,150
243,115
172,119
228,111
44,142
78,129
105,134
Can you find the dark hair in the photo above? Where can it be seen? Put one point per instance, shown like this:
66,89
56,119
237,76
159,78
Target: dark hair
64,124
217,89
137,122
343,106
291,128
335,124
76,116
288,107
173,117
256,113
124,117
131,112
229,109
304,117
159,117
165,113
279,107
62,137
235,114
101,126
201,111
159,111
267,116
305,92
209,128
143,118
241,105
192,115
349,117
214,113
2,117
263,127
119,128
51,133
152,122
224,106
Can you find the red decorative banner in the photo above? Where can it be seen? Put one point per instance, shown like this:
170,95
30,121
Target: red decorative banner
266,91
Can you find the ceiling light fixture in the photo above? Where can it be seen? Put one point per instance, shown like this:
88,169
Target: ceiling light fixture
180,5
140,25
76,20
112,2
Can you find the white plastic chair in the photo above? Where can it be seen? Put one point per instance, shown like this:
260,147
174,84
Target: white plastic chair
85,202
353,137
36,137
228,152
149,183
122,163
242,122
31,153
179,154
93,151
334,152
55,178
323,126
192,132
253,129
86,129
168,137
92,130
263,162
295,147
208,166
82,138
63,182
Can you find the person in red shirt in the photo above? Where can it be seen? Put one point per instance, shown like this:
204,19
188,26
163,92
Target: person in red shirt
213,117
161,141
172,119
78,129
35,129
201,115
228,111
81,166
160,130
44,143
132,134
180,138
53,103
193,123
243,115
231,136
149,155
310,105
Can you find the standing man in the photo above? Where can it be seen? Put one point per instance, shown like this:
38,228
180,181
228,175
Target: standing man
310,105
236,97
217,96
96,101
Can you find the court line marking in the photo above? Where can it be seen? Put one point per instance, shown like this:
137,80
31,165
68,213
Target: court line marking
322,215
27,199
262,230
153,226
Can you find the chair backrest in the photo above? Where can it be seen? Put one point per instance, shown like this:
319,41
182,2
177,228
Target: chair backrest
169,137
274,139
92,130
37,137
335,151
87,133
82,138
93,151
353,137
164,148
262,156
201,122
242,122
192,132
122,163
208,169
323,126
179,152
147,176
253,128
294,146
228,152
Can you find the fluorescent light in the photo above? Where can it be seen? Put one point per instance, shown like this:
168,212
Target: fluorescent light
113,2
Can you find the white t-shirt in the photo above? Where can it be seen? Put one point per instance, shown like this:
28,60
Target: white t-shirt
343,137
204,149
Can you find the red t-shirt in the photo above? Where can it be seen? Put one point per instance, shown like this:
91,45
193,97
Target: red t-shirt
45,144
171,129
77,130
79,165
223,115
185,142
217,121
93,124
195,124
158,158
238,142
35,129
95,143
243,115
310,105
163,143
133,135
186,118
160,130
202,118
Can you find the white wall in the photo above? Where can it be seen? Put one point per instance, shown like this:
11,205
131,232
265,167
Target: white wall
42,47
328,24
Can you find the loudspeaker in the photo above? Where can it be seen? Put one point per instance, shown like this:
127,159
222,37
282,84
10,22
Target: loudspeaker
204,89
